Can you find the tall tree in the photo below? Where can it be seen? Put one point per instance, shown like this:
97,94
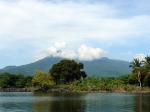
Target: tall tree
136,66
67,71
147,63
147,71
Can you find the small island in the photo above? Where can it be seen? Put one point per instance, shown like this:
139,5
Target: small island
68,76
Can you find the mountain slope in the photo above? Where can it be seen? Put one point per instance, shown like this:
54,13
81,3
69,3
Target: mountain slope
99,67
107,67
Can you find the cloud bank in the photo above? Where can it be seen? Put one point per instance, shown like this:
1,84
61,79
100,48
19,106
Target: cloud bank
42,21
30,26
84,52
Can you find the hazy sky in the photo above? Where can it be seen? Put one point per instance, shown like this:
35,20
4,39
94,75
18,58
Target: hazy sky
82,29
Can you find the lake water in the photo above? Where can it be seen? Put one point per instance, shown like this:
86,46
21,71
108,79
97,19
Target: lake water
91,102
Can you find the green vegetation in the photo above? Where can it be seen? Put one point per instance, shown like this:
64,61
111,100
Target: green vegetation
67,71
141,70
68,75
8,80
42,81
126,83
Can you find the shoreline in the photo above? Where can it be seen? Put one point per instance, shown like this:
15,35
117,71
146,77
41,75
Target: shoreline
15,90
133,92
62,90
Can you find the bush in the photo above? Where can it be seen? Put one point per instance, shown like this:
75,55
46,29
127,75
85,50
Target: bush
42,80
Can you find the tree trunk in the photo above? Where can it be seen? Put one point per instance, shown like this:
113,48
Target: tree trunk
139,79
140,84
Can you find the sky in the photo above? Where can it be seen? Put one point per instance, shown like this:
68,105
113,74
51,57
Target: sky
76,29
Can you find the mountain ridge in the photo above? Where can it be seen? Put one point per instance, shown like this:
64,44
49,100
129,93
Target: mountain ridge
99,67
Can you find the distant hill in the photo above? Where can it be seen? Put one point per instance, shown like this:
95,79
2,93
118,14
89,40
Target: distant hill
99,67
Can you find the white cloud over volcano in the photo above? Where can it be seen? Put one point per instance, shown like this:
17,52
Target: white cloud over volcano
84,52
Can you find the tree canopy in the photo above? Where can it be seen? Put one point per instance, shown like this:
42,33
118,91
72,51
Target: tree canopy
67,71
42,80
8,80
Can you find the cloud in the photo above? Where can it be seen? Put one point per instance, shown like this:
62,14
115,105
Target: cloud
140,56
84,52
29,26
60,45
69,54
89,53
45,22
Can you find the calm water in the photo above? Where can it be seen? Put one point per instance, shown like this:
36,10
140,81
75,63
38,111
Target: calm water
91,102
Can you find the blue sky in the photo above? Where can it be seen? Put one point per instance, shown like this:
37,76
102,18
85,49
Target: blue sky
82,29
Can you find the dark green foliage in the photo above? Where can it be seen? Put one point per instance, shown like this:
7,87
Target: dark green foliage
147,63
147,80
67,71
28,81
132,79
8,80
83,74
4,80
129,79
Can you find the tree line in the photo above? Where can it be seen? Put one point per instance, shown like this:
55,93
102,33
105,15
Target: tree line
70,72
9,80
66,71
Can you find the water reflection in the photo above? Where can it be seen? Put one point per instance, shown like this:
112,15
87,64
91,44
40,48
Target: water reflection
61,103
142,102
92,102
15,102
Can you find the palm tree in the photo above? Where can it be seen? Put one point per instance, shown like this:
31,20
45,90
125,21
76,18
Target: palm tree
147,63
136,69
